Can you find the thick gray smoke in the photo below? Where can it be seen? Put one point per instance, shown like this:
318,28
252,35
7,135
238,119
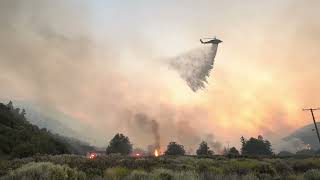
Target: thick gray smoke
191,138
292,145
215,145
146,130
148,125
195,66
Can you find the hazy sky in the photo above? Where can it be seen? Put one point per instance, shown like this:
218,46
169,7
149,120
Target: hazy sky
101,62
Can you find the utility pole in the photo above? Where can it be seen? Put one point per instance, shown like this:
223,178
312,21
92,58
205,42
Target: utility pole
314,120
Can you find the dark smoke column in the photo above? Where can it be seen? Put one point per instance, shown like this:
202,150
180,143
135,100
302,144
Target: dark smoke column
155,130
195,66
146,124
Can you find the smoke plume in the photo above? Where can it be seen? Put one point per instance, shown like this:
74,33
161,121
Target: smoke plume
149,126
215,145
195,66
291,145
151,134
191,138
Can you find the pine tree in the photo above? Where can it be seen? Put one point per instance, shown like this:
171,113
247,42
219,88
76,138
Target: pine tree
204,149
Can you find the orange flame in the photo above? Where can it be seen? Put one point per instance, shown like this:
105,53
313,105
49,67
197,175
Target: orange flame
156,153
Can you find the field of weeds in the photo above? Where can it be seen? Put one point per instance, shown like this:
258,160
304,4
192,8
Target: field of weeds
116,167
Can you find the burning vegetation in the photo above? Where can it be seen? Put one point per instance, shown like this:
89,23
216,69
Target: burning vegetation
156,153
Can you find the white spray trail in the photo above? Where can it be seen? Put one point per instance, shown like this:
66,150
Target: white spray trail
195,66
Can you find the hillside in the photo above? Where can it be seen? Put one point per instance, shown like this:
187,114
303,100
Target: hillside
75,146
45,117
307,135
19,138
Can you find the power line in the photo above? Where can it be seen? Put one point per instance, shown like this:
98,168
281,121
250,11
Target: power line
314,120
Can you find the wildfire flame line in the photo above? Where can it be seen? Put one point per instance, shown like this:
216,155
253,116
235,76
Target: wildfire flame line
156,153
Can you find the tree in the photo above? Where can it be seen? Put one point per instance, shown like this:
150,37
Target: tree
233,152
204,149
10,105
256,146
175,149
23,113
225,151
17,111
119,144
19,138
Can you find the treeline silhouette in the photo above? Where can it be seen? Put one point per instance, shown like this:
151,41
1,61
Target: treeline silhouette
252,147
19,138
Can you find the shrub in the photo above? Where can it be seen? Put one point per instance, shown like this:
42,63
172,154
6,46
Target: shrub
116,173
256,146
249,177
143,163
45,170
282,168
240,167
163,174
186,175
228,177
203,166
204,149
264,169
306,164
313,174
174,148
119,144
93,172
265,177
171,167
215,170
138,175
233,152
